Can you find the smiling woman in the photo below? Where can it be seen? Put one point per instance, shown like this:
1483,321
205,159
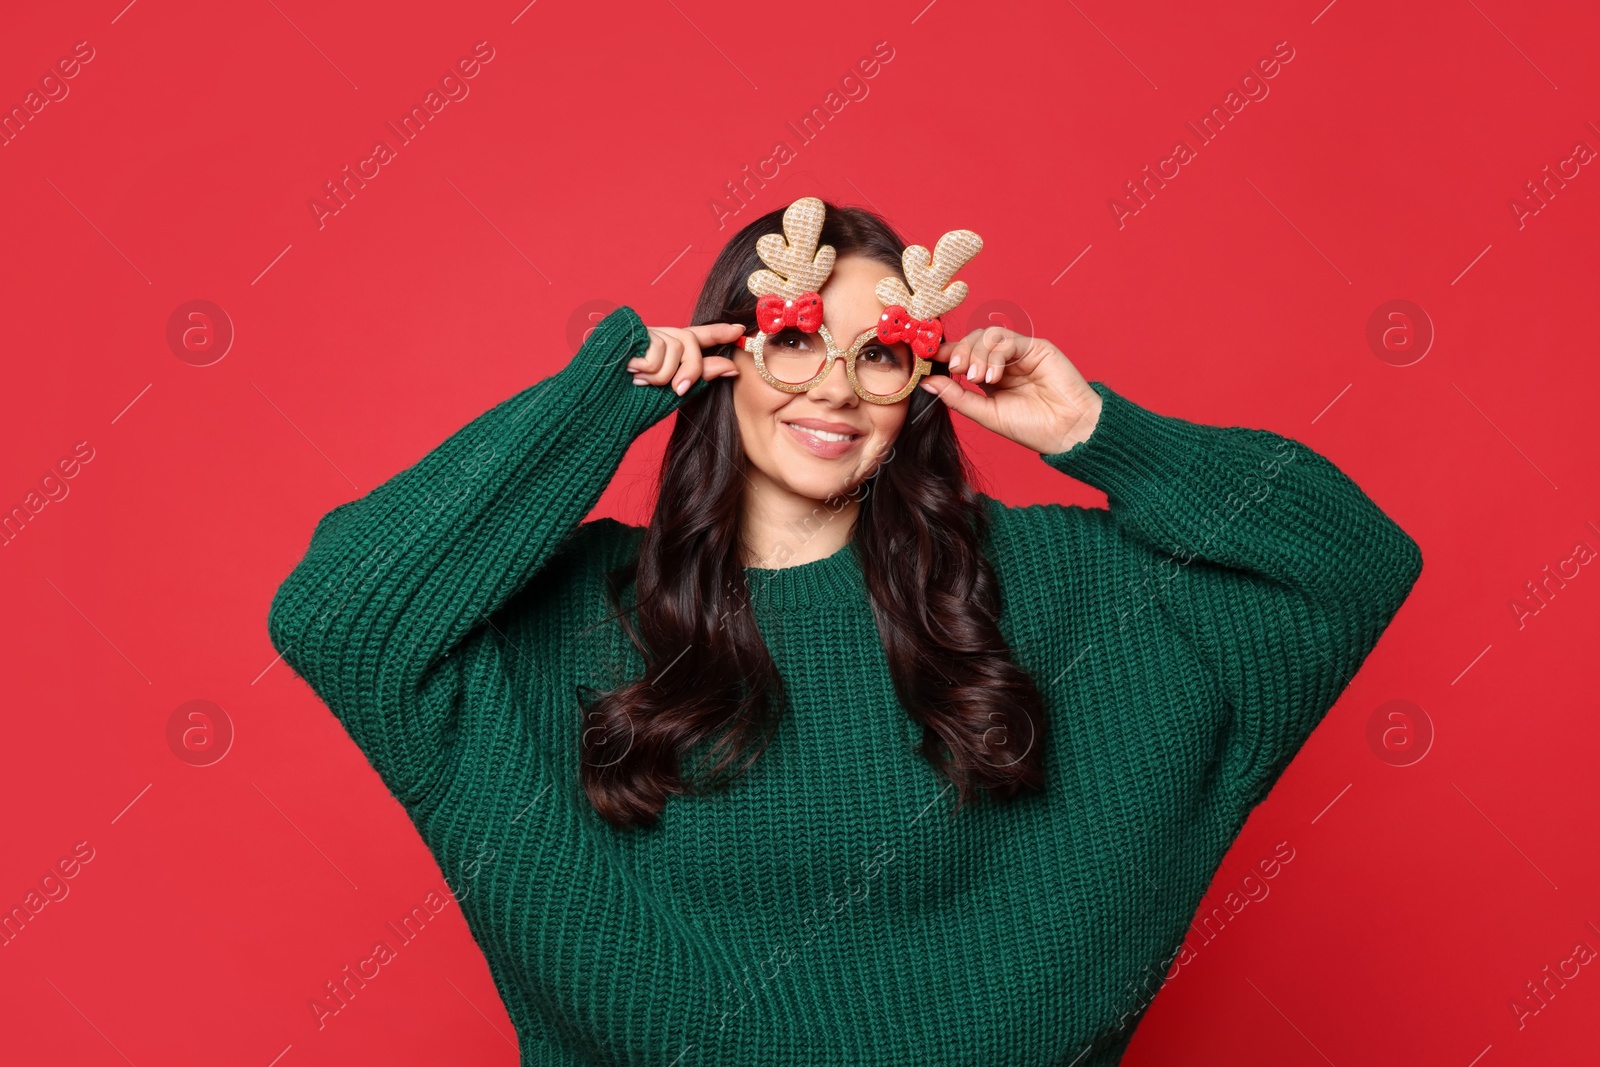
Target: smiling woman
920,791
783,433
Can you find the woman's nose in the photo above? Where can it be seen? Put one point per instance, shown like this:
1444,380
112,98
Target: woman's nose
836,386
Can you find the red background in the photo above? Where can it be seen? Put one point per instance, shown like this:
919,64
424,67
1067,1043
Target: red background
582,167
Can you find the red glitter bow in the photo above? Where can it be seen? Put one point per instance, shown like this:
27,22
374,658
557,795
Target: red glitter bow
896,324
804,312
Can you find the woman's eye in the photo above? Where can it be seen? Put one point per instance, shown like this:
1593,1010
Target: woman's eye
886,356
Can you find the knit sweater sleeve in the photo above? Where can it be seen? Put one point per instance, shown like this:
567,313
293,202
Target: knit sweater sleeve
1276,566
396,586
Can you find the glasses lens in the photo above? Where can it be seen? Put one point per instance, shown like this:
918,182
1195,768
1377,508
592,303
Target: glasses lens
793,356
884,370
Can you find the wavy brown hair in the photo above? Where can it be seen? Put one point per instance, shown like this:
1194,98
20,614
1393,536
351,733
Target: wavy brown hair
917,540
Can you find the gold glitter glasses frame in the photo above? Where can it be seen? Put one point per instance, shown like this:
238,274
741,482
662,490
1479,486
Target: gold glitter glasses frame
756,346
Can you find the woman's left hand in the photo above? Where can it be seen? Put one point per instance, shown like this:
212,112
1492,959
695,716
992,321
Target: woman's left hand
1031,393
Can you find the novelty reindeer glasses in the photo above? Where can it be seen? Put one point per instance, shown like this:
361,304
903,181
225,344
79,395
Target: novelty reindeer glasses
789,312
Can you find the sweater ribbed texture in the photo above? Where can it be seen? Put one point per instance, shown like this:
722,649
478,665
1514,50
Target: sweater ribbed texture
828,908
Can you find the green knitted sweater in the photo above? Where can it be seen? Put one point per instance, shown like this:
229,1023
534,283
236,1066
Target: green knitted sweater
828,908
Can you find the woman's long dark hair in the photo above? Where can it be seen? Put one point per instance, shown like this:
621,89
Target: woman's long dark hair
917,539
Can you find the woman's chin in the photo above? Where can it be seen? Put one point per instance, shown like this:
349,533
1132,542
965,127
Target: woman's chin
820,489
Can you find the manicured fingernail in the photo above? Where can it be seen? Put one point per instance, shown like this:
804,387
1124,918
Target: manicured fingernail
992,375
639,380
955,362
930,387
680,386
972,373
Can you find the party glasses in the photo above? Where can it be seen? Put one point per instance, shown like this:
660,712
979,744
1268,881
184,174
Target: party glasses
795,361
792,347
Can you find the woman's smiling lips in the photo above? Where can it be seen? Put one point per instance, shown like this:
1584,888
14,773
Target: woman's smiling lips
826,447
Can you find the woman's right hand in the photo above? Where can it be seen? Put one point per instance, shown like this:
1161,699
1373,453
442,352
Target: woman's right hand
675,355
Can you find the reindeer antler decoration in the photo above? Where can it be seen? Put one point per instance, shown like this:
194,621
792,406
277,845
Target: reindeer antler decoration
913,315
788,291
797,267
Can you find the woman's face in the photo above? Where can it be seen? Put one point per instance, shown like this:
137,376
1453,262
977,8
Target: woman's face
782,454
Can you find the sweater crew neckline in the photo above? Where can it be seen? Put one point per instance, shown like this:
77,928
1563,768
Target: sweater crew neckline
833,579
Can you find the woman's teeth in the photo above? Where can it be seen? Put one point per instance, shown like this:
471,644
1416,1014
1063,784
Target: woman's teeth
824,435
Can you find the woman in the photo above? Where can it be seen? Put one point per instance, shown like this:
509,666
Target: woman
947,778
